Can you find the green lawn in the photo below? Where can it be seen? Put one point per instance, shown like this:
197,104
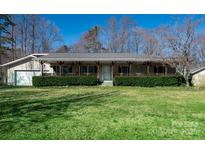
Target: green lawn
102,113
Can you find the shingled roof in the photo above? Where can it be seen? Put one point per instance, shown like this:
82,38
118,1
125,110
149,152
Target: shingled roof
197,70
96,57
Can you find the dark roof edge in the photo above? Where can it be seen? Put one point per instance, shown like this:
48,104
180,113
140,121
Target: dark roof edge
197,70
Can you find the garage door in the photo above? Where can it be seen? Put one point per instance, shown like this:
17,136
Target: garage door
24,78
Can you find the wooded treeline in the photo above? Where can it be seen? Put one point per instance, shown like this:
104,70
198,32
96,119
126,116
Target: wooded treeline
26,34
126,35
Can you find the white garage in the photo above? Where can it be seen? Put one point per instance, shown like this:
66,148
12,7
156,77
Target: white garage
198,77
20,72
24,78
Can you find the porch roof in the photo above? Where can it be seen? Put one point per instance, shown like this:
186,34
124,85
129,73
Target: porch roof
97,57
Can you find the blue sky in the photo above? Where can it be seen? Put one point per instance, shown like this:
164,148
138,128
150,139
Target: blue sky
73,26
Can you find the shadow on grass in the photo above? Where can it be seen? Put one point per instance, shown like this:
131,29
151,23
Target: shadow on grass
22,113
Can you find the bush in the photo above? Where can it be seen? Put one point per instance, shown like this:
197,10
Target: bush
148,81
39,81
2,83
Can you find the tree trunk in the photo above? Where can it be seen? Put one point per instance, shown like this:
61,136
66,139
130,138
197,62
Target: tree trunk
12,42
187,83
33,39
186,77
33,35
22,41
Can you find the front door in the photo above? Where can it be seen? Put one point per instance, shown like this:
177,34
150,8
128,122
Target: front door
106,73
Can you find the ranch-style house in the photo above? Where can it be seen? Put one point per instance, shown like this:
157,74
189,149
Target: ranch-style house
105,66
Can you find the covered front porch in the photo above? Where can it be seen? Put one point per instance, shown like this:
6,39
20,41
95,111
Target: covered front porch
106,71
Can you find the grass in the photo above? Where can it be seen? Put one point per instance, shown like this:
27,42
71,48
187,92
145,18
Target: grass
102,113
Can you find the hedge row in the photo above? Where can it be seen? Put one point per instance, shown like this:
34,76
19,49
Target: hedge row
150,81
39,81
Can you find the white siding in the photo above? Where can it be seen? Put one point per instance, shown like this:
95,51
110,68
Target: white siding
24,65
198,79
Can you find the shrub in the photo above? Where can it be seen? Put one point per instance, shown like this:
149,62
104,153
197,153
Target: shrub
1,83
39,81
148,81
4,85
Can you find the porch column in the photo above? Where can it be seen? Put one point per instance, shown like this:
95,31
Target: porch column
60,65
41,62
60,70
78,68
98,71
157,70
165,69
72,68
130,68
112,74
147,68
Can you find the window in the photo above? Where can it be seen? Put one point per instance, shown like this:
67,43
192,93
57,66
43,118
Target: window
83,69
88,69
92,69
159,69
171,70
67,69
56,69
123,69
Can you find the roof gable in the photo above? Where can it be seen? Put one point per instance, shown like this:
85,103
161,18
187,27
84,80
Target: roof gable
23,58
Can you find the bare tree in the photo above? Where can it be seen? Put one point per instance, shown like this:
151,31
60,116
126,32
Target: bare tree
149,43
118,36
79,46
36,34
137,40
49,35
109,35
22,25
63,49
126,34
33,32
21,34
89,41
181,43
200,50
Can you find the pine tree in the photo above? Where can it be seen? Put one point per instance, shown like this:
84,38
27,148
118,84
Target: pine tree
92,40
6,39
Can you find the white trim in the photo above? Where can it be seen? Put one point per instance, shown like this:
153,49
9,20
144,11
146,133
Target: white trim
24,58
